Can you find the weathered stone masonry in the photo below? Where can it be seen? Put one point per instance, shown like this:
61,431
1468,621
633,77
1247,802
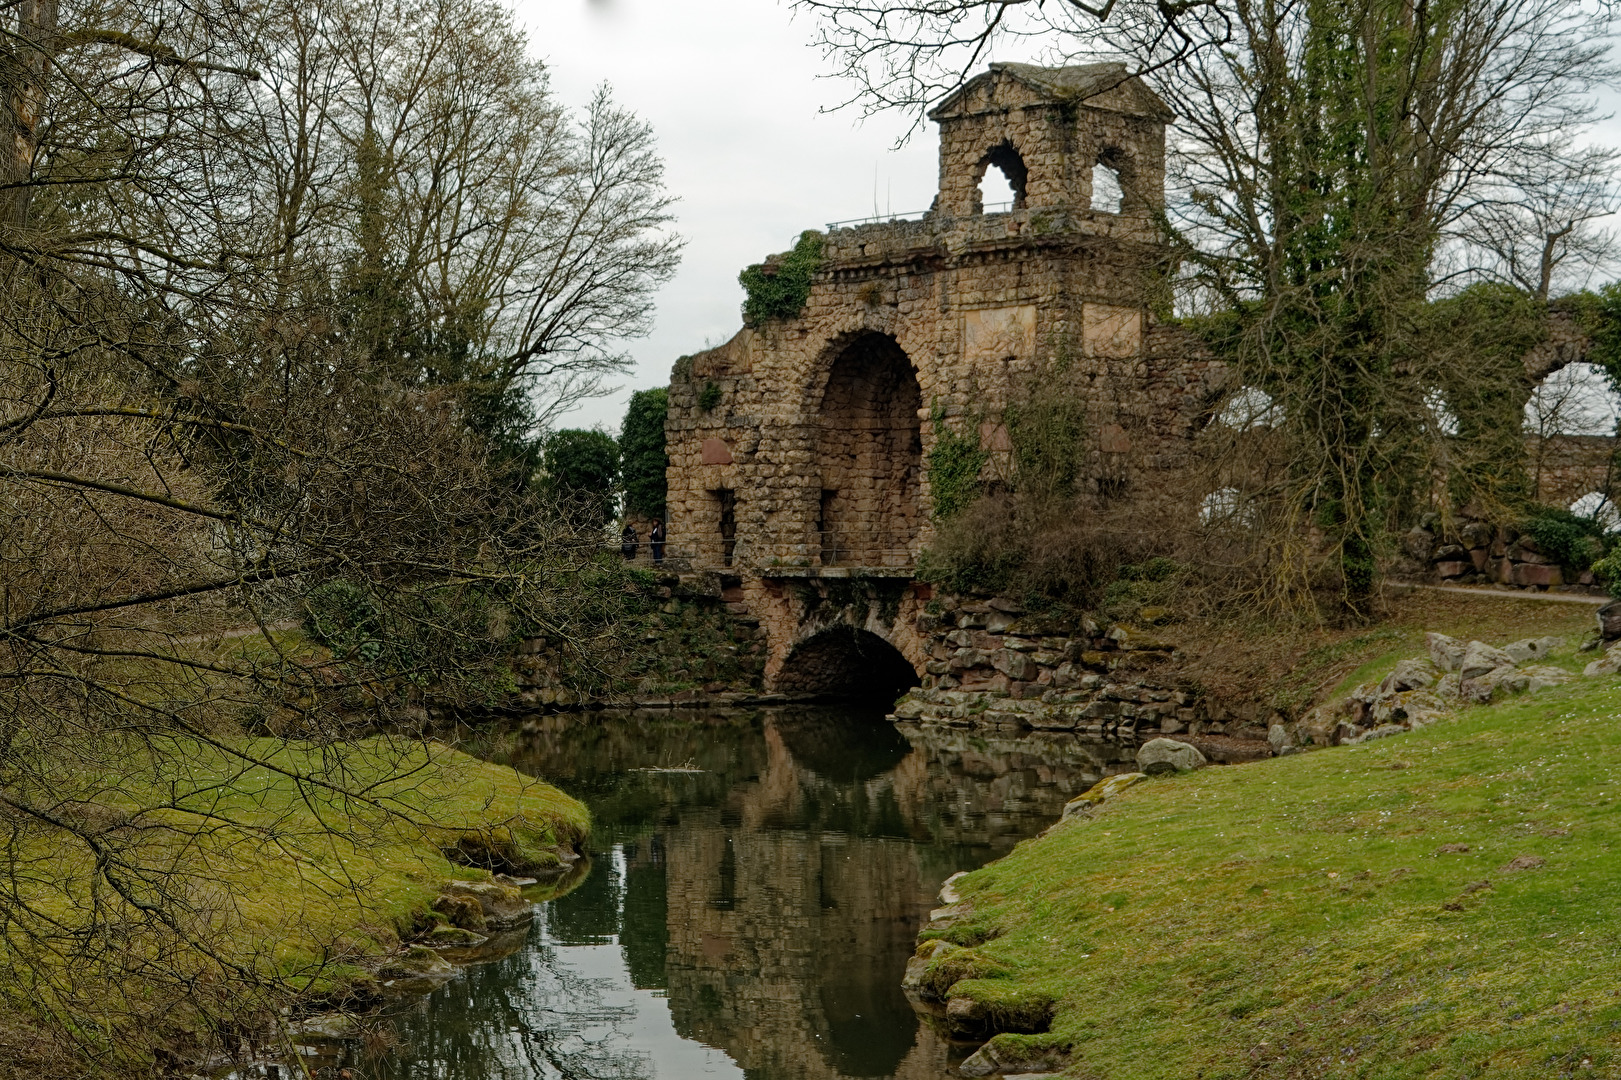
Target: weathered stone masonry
810,464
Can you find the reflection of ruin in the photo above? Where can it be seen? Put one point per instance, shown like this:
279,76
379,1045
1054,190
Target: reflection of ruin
777,894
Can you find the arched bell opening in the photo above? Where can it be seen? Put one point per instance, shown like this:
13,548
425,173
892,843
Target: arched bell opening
1003,178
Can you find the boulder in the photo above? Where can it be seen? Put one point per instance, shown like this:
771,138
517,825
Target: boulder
1419,543
918,966
1609,621
1015,665
1480,659
502,905
1416,708
1277,737
1445,652
1168,755
416,962
1477,534
1494,684
1409,675
1541,677
1607,666
997,1058
454,936
1103,790
1531,649
948,889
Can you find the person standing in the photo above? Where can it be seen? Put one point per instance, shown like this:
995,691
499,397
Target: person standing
627,542
655,540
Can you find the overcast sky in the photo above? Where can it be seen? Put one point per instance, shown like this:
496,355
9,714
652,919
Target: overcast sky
731,88
735,95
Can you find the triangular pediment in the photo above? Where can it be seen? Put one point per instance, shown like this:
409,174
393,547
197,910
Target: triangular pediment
1106,86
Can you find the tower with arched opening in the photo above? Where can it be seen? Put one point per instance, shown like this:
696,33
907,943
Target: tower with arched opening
800,449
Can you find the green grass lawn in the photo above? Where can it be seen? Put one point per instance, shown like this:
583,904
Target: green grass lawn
1316,915
280,866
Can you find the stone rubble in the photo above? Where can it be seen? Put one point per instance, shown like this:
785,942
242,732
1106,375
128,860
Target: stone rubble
1418,692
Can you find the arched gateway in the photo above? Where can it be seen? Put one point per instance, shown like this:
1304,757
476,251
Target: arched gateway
869,448
847,662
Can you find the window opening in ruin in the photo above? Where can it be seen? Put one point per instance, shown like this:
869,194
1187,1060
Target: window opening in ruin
1249,408
1106,191
1443,419
1001,185
824,537
1597,507
728,524
1224,506
869,450
1575,400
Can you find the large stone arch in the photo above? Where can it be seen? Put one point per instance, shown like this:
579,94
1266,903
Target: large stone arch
846,661
865,423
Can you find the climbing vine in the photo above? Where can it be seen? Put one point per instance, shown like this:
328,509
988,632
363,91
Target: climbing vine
778,289
954,466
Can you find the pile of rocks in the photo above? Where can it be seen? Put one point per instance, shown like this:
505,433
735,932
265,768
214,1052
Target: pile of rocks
1476,552
1419,692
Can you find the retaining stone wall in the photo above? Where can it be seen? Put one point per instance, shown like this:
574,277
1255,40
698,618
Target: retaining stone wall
995,668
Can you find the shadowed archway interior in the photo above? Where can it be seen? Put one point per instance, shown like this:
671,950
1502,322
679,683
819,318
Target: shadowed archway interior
844,662
870,450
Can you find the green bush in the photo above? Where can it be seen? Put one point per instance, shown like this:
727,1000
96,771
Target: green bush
1608,571
709,397
642,456
1573,541
343,615
778,290
582,470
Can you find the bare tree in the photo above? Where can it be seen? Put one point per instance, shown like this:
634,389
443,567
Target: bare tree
1334,167
262,269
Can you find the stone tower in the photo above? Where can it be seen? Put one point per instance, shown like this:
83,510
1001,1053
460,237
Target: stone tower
798,448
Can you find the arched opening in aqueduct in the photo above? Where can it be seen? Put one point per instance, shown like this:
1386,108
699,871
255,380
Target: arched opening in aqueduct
870,449
848,662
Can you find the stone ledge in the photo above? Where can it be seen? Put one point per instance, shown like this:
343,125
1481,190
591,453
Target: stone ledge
905,572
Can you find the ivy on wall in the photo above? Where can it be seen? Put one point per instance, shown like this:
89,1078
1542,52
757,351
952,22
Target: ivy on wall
778,289
954,466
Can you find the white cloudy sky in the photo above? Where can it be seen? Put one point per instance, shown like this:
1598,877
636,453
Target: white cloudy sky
732,90
736,96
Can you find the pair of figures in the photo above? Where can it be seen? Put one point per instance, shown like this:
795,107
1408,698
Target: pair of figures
655,540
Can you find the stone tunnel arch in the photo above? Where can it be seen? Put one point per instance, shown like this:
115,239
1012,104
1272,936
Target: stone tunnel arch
846,662
869,448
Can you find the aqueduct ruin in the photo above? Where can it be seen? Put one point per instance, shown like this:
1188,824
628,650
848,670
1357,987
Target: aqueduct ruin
798,449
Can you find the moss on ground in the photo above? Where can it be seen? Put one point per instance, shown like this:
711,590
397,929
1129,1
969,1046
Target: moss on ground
1318,915
282,873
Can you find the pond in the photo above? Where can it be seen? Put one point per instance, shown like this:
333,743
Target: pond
756,885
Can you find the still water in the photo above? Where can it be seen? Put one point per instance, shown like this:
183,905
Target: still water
757,882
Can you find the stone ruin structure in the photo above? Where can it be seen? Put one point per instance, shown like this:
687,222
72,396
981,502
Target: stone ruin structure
798,448
797,478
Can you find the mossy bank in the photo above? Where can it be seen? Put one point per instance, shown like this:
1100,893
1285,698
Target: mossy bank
306,872
1440,903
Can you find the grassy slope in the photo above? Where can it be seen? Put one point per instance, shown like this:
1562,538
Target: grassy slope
1290,667
333,874
1286,918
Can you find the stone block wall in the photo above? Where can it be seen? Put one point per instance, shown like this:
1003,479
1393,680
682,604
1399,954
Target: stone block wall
803,442
995,668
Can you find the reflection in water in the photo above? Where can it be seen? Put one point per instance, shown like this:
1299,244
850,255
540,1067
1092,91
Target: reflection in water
757,886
